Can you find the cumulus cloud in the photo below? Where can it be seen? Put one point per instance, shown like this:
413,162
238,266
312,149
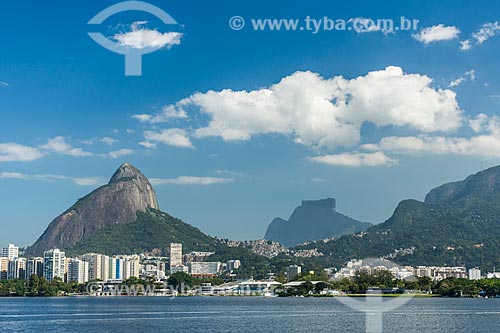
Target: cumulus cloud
60,145
437,33
14,152
481,145
487,30
323,113
120,153
486,142
176,137
190,180
141,38
356,159
470,75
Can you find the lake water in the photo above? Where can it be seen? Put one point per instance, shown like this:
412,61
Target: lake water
238,314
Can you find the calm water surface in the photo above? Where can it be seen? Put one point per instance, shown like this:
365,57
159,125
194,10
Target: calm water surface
233,314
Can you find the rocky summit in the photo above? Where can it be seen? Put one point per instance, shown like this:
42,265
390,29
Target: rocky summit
118,202
313,220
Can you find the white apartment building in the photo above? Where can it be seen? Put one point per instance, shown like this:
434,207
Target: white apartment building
233,264
11,251
474,274
175,255
78,271
204,268
54,264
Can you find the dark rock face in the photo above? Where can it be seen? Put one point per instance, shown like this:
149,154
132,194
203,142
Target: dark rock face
313,220
117,202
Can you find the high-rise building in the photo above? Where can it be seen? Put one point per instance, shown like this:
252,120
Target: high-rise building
98,266
19,268
204,268
34,266
119,268
474,274
4,268
131,267
54,264
11,251
293,271
175,255
78,271
233,264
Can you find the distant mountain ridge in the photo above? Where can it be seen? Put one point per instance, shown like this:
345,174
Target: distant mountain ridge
457,224
313,220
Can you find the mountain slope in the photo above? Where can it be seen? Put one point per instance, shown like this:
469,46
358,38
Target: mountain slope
127,192
313,220
152,229
457,224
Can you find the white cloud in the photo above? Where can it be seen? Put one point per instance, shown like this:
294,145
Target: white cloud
486,142
4,84
61,146
120,153
470,75
437,33
176,137
319,112
107,140
364,25
88,181
147,144
141,38
168,113
465,45
14,152
190,180
487,30
356,159
13,175
481,145
142,117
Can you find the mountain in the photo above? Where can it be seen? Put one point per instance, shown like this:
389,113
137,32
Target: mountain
116,203
313,220
457,224
152,230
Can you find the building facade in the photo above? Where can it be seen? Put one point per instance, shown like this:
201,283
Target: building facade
54,264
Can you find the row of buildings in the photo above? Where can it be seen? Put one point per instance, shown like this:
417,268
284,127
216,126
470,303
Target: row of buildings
372,266
96,266
194,263
55,264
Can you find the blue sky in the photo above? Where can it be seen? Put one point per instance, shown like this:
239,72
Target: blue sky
239,126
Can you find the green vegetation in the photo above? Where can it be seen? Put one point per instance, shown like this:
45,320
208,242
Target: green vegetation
38,286
451,287
152,230
179,279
